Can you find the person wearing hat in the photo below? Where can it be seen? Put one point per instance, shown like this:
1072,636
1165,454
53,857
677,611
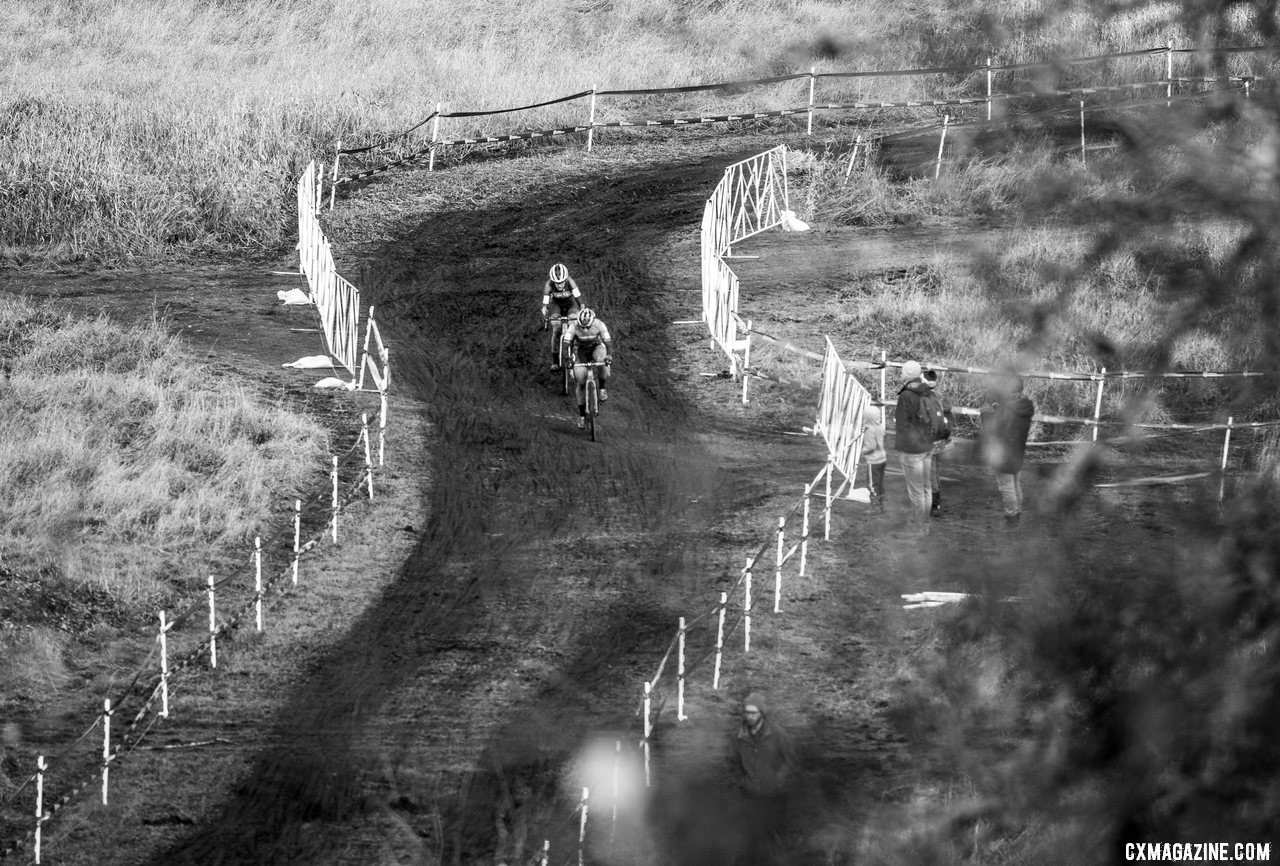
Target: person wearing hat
940,411
913,440
762,750
874,454
1002,440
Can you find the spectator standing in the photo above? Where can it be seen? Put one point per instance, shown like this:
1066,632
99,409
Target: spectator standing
873,452
765,757
943,422
913,440
1006,422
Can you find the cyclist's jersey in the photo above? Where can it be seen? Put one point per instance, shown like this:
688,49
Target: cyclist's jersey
589,337
565,296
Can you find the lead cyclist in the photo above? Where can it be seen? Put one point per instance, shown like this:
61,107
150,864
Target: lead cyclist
589,340
561,291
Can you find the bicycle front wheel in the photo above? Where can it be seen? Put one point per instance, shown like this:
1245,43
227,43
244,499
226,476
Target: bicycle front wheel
593,406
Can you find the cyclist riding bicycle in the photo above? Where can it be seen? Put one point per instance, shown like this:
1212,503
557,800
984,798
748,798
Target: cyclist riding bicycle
561,290
588,340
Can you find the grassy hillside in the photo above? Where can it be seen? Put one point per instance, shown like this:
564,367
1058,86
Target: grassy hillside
142,128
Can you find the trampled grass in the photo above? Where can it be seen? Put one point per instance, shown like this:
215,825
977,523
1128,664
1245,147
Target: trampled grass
135,129
124,464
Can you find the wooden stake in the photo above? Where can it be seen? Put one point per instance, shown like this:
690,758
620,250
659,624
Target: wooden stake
41,766
746,364
804,530
335,498
853,156
582,823
680,716
648,729
1082,156
297,537
257,581
1226,445
988,88
777,573
826,516
435,136
813,80
368,454
106,745
1168,74
746,607
1097,403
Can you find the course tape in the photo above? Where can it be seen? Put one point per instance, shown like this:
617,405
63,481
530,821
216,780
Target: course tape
387,141
1088,377
516,136
720,118
693,88
572,96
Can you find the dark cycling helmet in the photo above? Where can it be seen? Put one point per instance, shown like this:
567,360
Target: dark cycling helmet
559,273
586,317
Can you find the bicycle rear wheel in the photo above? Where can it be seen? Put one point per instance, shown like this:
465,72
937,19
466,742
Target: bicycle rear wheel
566,367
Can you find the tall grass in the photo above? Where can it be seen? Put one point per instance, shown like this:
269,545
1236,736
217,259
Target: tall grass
131,129
125,465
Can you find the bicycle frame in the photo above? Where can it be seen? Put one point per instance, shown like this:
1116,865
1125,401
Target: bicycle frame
562,351
592,396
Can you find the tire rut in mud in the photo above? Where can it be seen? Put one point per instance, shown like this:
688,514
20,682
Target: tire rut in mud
536,536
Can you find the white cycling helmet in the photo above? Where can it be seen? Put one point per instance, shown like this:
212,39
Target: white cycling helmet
585,317
559,273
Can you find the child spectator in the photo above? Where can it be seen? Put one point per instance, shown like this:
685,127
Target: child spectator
873,452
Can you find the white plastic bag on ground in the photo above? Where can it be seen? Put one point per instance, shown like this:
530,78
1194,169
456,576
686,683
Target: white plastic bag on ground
311,362
793,223
293,296
860,494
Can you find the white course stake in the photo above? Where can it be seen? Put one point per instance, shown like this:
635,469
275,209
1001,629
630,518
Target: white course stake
164,667
41,766
648,729
804,530
617,760
942,139
988,88
257,581
1097,403
826,515
1082,149
213,628
746,611
724,601
335,499
1226,445
106,745
382,429
297,537
680,716
582,823
777,573
435,136
884,369
546,851
591,121
368,454
746,364
813,79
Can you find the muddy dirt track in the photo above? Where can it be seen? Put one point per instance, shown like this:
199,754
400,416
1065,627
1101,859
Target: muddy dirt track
444,725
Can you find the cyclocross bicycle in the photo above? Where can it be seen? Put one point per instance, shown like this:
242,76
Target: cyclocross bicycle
561,351
592,395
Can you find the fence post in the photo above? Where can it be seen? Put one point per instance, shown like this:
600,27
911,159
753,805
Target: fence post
648,729
1168,74
213,628
813,79
257,581
884,372
988,88
435,136
715,678
680,716
333,184
746,607
1082,156
297,537
368,455
546,850
106,745
335,498
164,668
41,766
1226,444
1097,403
942,139
777,574
582,823
591,122
804,530
746,363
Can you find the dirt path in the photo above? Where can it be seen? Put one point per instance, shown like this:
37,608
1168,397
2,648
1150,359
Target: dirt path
550,573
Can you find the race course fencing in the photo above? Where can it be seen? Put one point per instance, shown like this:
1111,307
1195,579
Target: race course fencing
996,86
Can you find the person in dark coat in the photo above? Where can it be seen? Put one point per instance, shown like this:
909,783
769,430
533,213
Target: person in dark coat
943,423
764,755
913,439
1002,440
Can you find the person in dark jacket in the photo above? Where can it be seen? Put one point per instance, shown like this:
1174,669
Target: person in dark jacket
1002,440
913,440
943,423
765,757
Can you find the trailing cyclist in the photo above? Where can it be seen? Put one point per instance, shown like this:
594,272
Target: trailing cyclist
561,290
589,341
